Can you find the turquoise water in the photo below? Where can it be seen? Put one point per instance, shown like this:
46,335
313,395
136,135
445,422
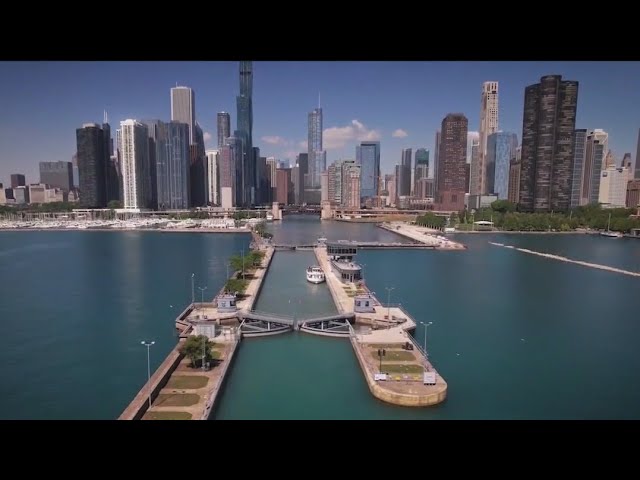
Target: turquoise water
515,335
74,307
286,291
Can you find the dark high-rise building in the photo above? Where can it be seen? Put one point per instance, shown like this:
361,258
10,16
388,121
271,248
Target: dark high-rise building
283,189
514,180
421,171
17,180
368,157
197,170
577,174
224,127
244,133
548,136
57,174
183,109
467,175
436,158
452,160
169,158
76,176
92,165
501,148
404,182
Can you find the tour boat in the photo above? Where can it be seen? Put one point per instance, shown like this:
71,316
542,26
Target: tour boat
315,275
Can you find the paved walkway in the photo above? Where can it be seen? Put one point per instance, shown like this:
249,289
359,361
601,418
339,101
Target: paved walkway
343,302
424,235
203,393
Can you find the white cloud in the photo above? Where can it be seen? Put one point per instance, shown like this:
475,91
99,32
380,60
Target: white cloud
338,137
207,136
303,144
399,133
274,140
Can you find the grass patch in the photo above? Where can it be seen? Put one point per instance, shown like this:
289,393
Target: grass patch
399,368
187,381
177,399
395,355
167,416
385,345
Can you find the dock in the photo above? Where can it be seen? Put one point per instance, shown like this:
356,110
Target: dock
434,238
398,377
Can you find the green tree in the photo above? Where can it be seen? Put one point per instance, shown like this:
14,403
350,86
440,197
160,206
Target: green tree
195,347
113,204
503,206
234,285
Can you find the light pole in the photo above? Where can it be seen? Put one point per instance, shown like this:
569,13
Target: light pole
204,344
201,295
148,345
425,335
243,263
389,301
193,292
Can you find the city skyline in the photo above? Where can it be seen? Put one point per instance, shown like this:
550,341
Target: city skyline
411,98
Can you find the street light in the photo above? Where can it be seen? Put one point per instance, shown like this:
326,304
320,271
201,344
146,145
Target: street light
389,301
425,335
381,353
148,345
201,295
193,294
204,344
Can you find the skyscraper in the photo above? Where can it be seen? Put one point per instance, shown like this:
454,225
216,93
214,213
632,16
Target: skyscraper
501,148
368,157
134,148
317,158
168,164
197,170
404,180
548,136
244,133
57,174
17,180
212,177
436,161
228,157
475,160
183,109
224,127
488,125
597,142
301,175
421,171
92,165
577,174
452,159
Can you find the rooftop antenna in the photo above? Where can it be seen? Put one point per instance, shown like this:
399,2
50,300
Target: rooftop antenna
106,117
319,100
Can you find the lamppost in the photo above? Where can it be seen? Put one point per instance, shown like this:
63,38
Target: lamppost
389,301
204,350
201,295
193,292
243,263
148,345
425,335
381,353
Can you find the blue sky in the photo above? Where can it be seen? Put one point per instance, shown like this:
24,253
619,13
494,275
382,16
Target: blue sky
42,103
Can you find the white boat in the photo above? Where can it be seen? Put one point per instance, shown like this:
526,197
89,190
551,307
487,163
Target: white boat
315,274
609,233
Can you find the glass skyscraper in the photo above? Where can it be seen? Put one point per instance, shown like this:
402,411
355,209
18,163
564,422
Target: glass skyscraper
368,157
501,148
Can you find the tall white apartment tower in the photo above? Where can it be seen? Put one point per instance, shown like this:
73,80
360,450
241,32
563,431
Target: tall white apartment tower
134,154
488,125
212,177
183,109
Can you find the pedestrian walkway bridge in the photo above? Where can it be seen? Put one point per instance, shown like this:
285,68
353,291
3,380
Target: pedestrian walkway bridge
255,323
362,245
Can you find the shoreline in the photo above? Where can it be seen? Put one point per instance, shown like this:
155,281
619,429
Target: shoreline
162,230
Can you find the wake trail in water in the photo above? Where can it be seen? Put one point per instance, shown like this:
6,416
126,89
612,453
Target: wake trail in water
569,260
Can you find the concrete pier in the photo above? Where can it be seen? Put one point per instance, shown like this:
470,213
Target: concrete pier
425,235
386,328
179,392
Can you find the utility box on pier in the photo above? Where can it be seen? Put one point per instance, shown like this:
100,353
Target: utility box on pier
226,303
363,303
